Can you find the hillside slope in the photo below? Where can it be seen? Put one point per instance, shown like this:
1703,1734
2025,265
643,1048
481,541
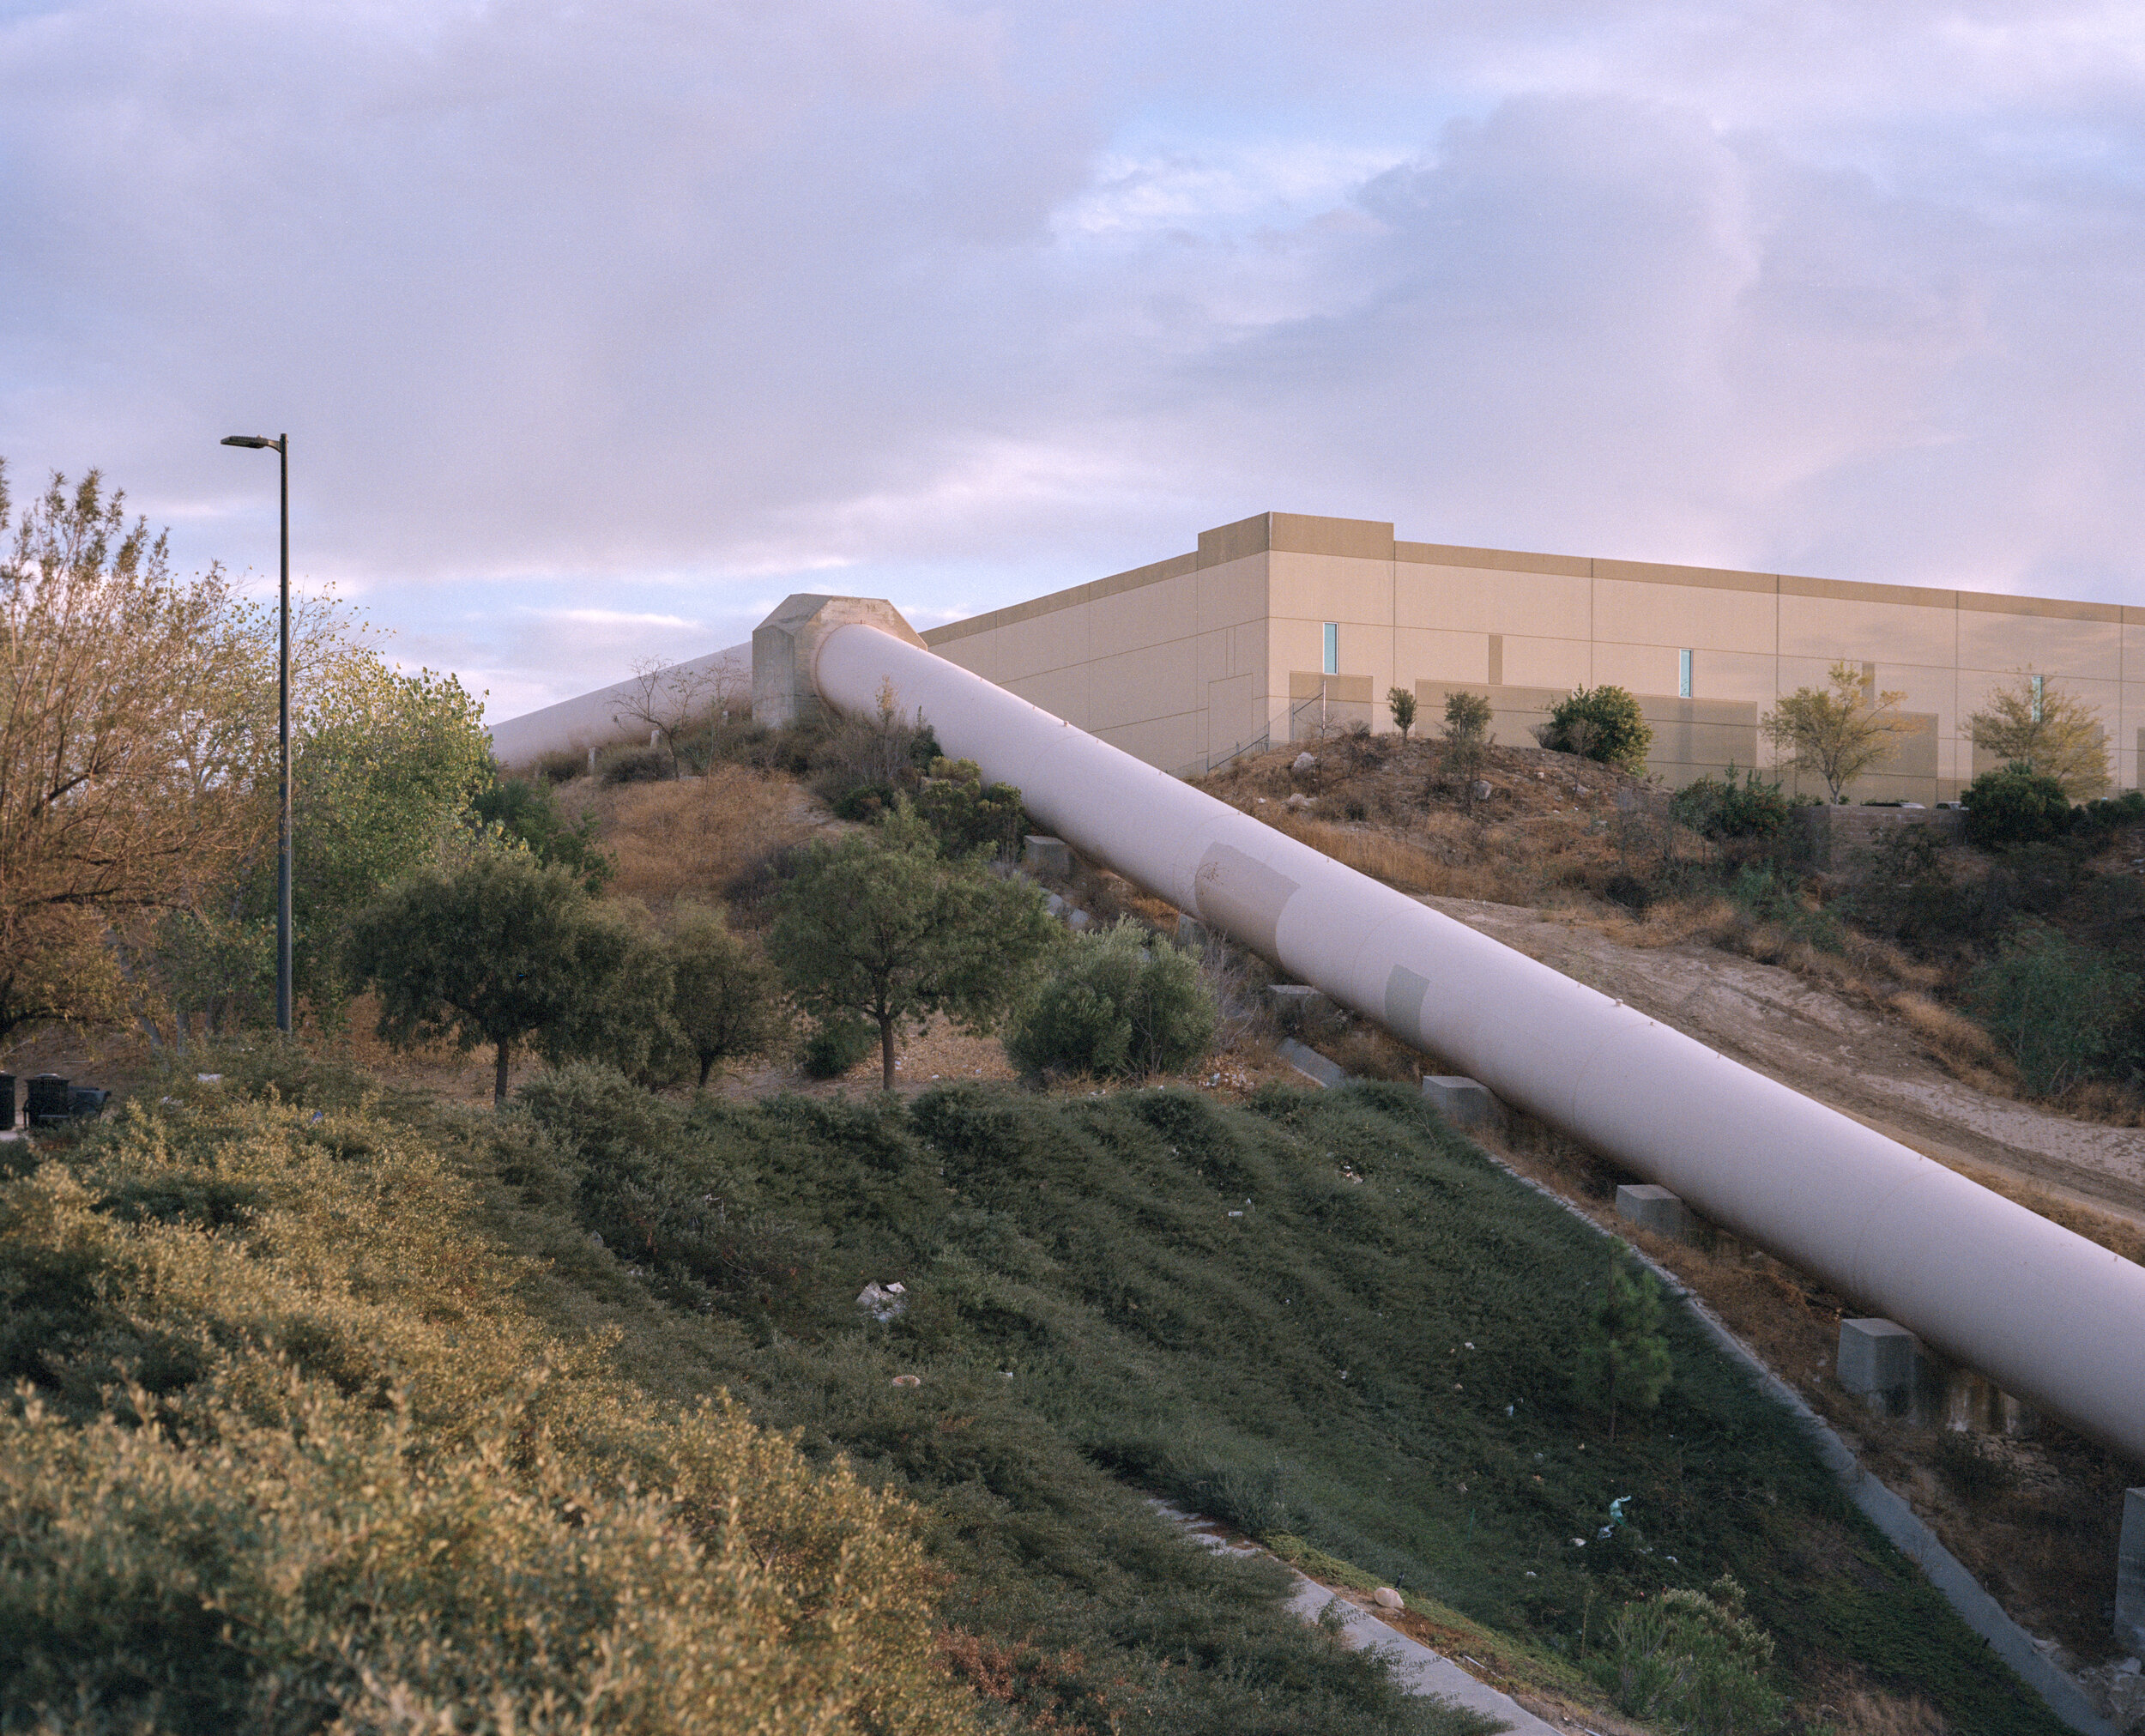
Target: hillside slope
1320,1316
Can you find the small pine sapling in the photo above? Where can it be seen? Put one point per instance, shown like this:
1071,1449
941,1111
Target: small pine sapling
1401,702
1623,1360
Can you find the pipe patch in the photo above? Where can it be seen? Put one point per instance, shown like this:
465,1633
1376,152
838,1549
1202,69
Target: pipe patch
1406,993
1242,896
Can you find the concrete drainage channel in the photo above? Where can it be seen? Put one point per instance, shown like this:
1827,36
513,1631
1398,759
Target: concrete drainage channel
1416,1668
1466,1103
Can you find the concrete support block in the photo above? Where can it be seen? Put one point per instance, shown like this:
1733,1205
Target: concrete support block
1898,1376
1877,1359
1191,934
2130,1573
1465,1102
1656,1209
1047,858
786,646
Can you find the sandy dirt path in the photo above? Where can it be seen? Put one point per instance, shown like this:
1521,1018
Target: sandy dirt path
1859,1061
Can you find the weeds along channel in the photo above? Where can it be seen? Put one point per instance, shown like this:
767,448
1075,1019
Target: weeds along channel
1322,1317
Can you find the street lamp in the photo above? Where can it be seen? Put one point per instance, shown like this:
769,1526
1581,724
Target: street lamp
282,443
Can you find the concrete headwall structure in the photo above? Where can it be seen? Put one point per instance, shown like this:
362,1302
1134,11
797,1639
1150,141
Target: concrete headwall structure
1189,660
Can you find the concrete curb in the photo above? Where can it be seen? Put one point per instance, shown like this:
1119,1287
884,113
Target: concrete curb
1310,1063
1416,1668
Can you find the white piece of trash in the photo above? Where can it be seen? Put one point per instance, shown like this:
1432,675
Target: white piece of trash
885,1301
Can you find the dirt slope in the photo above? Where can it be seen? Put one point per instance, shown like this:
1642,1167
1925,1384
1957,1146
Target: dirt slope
1856,1060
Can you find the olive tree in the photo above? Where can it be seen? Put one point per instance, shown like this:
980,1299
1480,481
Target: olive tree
2033,723
724,1000
505,950
1836,732
884,928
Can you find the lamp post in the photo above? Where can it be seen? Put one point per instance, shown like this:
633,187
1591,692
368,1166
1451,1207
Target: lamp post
282,443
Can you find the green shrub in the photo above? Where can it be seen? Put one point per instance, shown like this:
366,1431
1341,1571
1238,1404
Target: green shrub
528,814
1604,723
1467,717
1117,1005
833,1046
2016,805
2110,813
560,765
1766,893
633,765
1466,747
1906,892
968,814
1723,809
2056,1007
1697,1664
868,804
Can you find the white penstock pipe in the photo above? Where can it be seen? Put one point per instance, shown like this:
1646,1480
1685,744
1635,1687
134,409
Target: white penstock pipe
2047,1315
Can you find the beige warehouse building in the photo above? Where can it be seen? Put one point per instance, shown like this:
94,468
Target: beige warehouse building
1281,627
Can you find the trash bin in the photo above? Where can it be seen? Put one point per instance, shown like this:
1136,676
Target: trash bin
85,1100
49,1099
7,1100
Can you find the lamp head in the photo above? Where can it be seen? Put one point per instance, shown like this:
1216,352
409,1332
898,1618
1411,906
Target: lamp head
249,441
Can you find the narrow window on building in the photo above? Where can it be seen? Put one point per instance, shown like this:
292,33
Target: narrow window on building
1332,647
1683,674
2038,681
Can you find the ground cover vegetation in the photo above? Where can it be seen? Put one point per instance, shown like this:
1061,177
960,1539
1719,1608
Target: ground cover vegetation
287,1449
1320,1317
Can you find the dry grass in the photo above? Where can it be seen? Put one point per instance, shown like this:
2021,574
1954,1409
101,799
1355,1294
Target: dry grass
696,838
2103,1229
1963,1046
1395,860
1845,1699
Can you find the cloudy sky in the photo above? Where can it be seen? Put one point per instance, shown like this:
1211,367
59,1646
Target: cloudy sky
597,329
